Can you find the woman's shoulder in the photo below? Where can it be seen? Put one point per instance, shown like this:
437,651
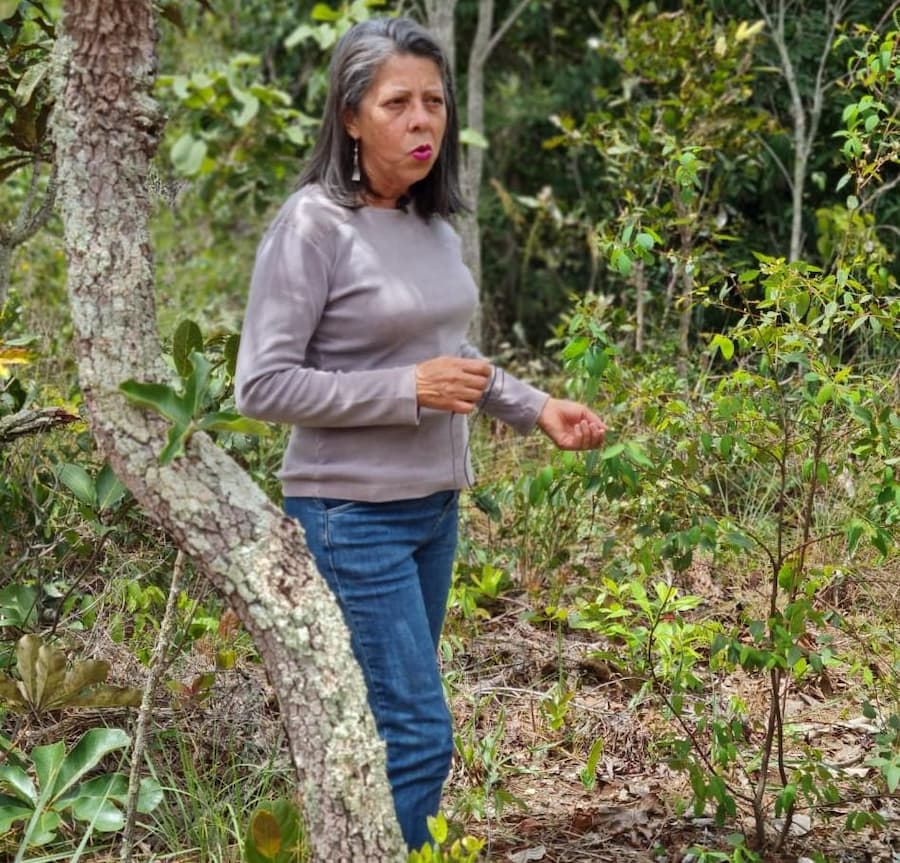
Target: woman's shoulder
310,213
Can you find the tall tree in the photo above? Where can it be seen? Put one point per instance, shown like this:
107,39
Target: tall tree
806,112
106,127
440,20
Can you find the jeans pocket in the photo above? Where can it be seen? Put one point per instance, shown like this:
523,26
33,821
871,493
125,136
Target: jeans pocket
337,505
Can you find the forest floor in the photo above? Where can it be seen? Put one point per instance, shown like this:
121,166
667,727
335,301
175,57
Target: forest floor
637,808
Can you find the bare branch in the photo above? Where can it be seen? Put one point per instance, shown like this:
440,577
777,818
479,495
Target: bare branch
777,159
29,422
501,30
157,666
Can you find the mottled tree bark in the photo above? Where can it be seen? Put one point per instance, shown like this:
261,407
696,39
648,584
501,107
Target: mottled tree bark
106,127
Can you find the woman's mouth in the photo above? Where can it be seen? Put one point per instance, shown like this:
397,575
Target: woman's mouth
422,152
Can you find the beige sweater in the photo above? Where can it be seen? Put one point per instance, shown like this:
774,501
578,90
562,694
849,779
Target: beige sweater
342,306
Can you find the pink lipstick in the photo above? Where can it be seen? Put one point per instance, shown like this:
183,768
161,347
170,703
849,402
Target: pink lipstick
422,153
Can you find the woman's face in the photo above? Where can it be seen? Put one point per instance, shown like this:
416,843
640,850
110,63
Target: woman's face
400,125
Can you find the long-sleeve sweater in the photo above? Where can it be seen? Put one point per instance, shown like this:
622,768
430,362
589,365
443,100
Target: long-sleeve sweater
343,304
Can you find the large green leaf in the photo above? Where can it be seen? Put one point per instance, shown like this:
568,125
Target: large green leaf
227,421
29,81
18,782
188,154
197,383
150,795
48,761
95,801
87,753
18,605
78,481
109,489
157,397
11,811
44,829
186,340
176,440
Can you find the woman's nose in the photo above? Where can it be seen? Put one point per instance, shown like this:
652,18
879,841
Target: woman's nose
419,115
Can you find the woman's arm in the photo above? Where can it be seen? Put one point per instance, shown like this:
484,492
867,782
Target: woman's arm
288,293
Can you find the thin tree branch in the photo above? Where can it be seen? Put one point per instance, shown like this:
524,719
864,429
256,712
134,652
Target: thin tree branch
157,663
501,30
836,11
781,166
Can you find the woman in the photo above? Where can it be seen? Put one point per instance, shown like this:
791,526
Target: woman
355,335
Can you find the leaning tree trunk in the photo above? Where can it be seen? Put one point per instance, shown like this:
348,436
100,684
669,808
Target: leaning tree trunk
106,127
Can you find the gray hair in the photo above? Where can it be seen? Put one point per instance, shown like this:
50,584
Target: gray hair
357,57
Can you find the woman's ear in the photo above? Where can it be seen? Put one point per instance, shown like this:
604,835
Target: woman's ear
350,124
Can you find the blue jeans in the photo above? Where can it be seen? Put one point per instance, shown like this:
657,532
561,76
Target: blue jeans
389,565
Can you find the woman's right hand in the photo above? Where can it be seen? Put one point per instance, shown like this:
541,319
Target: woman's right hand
451,383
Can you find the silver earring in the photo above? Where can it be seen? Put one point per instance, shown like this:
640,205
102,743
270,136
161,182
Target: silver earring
355,176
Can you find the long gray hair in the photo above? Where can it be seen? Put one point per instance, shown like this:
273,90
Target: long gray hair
355,62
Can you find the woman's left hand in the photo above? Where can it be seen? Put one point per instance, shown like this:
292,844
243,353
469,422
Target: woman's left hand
571,425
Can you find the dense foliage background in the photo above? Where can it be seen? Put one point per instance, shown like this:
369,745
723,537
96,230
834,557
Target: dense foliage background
689,217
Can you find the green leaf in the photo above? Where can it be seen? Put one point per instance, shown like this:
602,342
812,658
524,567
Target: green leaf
197,383
724,344
107,696
94,801
12,811
323,12
48,760
17,781
18,605
44,830
733,539
438,828
188,154
176,440
226,421
109,489
230,353
150,795
8,8
249,109
186,340
157,397
637,455
645,241
78,481
611,452
29,81
300,34
473,138
87,753
103,815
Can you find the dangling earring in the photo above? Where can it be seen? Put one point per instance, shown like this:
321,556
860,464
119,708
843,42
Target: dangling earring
355,176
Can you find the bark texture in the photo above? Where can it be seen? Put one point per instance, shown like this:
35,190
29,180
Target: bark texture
106,127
